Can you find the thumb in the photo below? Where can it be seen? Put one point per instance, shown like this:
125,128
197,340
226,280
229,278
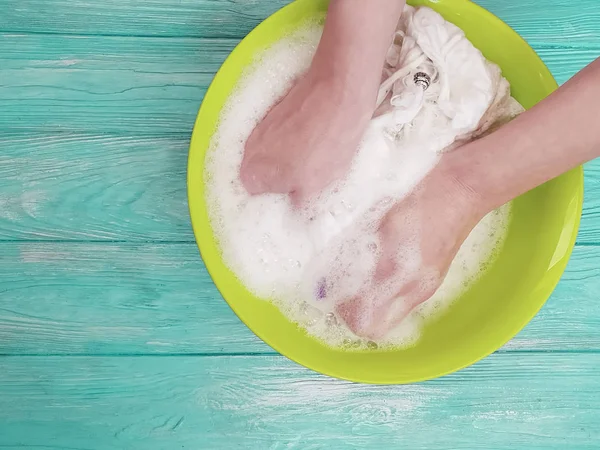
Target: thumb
262,176
309,190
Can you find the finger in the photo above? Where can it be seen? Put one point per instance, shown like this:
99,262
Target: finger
389,239
299,198
374,314
307,192
354,314
261,176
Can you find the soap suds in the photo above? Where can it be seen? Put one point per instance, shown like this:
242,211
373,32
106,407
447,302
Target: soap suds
305,264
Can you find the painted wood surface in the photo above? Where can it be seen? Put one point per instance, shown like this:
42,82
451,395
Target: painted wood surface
112,334
135,85
74,187
541,22
130,298
267,402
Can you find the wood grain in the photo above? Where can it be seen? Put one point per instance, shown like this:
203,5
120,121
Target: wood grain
113,299
133,85
107,299
538,21
97,103
508,401
73,187
118,188
555,22
145,86
165,18
589,229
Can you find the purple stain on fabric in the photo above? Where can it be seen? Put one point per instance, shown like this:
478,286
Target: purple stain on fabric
321,289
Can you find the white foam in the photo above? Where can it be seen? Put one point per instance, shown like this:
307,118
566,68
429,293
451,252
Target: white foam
290,258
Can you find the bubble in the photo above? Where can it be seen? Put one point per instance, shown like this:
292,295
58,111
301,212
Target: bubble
331,320
307,263
310,314
354,344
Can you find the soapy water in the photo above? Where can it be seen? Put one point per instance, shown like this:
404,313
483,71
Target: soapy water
305,263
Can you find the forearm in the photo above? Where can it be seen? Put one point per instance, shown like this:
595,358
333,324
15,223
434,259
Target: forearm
355,41
556,135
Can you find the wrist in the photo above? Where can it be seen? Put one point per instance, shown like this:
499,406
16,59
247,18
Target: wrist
353,101
456,181
347,79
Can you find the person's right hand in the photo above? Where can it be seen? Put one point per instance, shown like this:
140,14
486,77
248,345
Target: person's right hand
418,239
307,140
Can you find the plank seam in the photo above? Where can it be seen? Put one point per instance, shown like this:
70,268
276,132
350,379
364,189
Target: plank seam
152,242
252,354
540,45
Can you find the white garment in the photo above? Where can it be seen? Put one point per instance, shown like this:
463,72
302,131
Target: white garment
465,88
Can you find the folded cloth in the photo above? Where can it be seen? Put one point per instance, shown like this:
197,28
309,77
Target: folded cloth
462,86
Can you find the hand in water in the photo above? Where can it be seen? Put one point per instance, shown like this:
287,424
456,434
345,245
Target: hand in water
307,140
419,238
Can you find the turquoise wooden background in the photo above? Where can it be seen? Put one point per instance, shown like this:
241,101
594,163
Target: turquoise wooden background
111,333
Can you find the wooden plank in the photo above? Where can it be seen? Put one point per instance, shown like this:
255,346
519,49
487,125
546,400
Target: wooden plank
543,22
508,401
184,18
151,86
82,187
73,187
107,299
113,299
565,63
141,86
538,21
589,230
